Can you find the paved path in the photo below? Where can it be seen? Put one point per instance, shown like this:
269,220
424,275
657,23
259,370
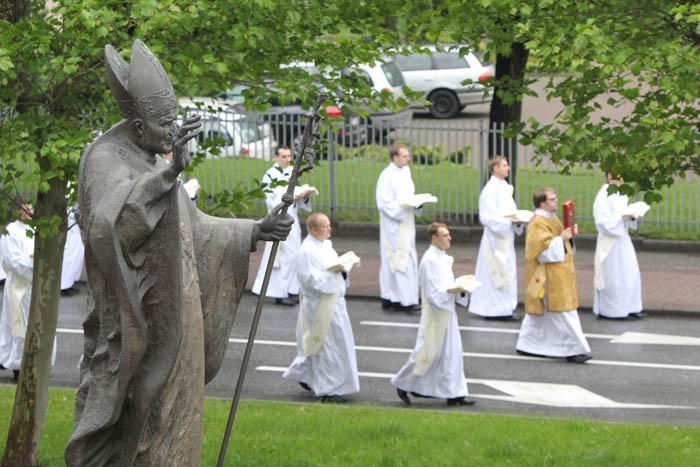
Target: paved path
670,270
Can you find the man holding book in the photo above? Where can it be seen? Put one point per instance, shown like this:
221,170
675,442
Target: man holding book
326,363
617,280
495,264
551,327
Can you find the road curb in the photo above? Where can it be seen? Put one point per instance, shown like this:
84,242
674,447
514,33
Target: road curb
473,234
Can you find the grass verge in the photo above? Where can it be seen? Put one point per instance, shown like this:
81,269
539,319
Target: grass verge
286,434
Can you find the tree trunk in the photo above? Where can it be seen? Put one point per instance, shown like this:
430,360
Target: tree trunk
501,114
14,10
32,388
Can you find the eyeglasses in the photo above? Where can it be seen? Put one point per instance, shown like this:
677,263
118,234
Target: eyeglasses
552,199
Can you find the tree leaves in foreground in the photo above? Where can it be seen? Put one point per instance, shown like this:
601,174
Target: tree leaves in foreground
627,74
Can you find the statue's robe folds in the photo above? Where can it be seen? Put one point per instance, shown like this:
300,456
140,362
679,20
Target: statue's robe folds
165,281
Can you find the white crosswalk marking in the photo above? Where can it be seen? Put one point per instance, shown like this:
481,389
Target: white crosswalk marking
522,392
367,348
525,392
649,338
624,338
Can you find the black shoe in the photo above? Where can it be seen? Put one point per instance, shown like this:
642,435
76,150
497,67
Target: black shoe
403,395
415,394
580,358
528,354
460,401
2,367
304,385
388,305
333,399
285,302
502,318
15,374
69,292
411,308
638,315
613,318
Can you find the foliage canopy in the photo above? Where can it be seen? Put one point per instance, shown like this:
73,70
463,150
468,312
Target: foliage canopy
626,72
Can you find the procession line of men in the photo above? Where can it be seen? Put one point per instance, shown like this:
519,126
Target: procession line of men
326,362
551,326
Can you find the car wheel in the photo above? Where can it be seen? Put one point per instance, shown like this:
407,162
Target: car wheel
443,104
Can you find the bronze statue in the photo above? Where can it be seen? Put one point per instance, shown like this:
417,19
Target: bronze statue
165,281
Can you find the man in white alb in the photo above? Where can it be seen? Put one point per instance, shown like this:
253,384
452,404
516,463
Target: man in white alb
283,285
73,255
435,367
326,363
17,253
617,280
398,273
495,264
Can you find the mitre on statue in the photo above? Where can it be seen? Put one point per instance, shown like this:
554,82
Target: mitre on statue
141,89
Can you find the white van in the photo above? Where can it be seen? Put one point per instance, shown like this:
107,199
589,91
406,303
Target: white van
234,134
384,75
440,74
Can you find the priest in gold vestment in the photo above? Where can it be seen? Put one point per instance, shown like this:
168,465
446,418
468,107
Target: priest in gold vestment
551,327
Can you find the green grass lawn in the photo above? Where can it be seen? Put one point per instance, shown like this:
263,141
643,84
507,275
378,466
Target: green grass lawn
287,434
347,192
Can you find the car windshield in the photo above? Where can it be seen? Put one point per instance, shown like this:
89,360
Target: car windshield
221,129
249,130
393,74
213,129
449,61
481,56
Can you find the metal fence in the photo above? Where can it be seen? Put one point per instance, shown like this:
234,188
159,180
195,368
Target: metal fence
449,161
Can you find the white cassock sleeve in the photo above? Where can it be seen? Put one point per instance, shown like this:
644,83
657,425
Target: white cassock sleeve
555,253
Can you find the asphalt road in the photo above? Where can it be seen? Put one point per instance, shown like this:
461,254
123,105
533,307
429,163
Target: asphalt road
642,371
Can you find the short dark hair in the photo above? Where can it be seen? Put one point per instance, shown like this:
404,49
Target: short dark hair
494,161
281,146
394,150
433,229
540,195
313,221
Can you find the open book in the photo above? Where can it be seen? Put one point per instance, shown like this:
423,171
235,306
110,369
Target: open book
521,215
418,199
192,187
637,209
298,189
466,283
345,262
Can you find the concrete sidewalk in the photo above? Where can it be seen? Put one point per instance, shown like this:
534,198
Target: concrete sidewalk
670,270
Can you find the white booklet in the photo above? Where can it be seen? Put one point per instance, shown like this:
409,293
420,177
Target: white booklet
345,262
466,283
637,209
419,199
311,189
521,215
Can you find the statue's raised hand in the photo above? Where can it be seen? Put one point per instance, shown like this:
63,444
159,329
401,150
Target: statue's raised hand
181,152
